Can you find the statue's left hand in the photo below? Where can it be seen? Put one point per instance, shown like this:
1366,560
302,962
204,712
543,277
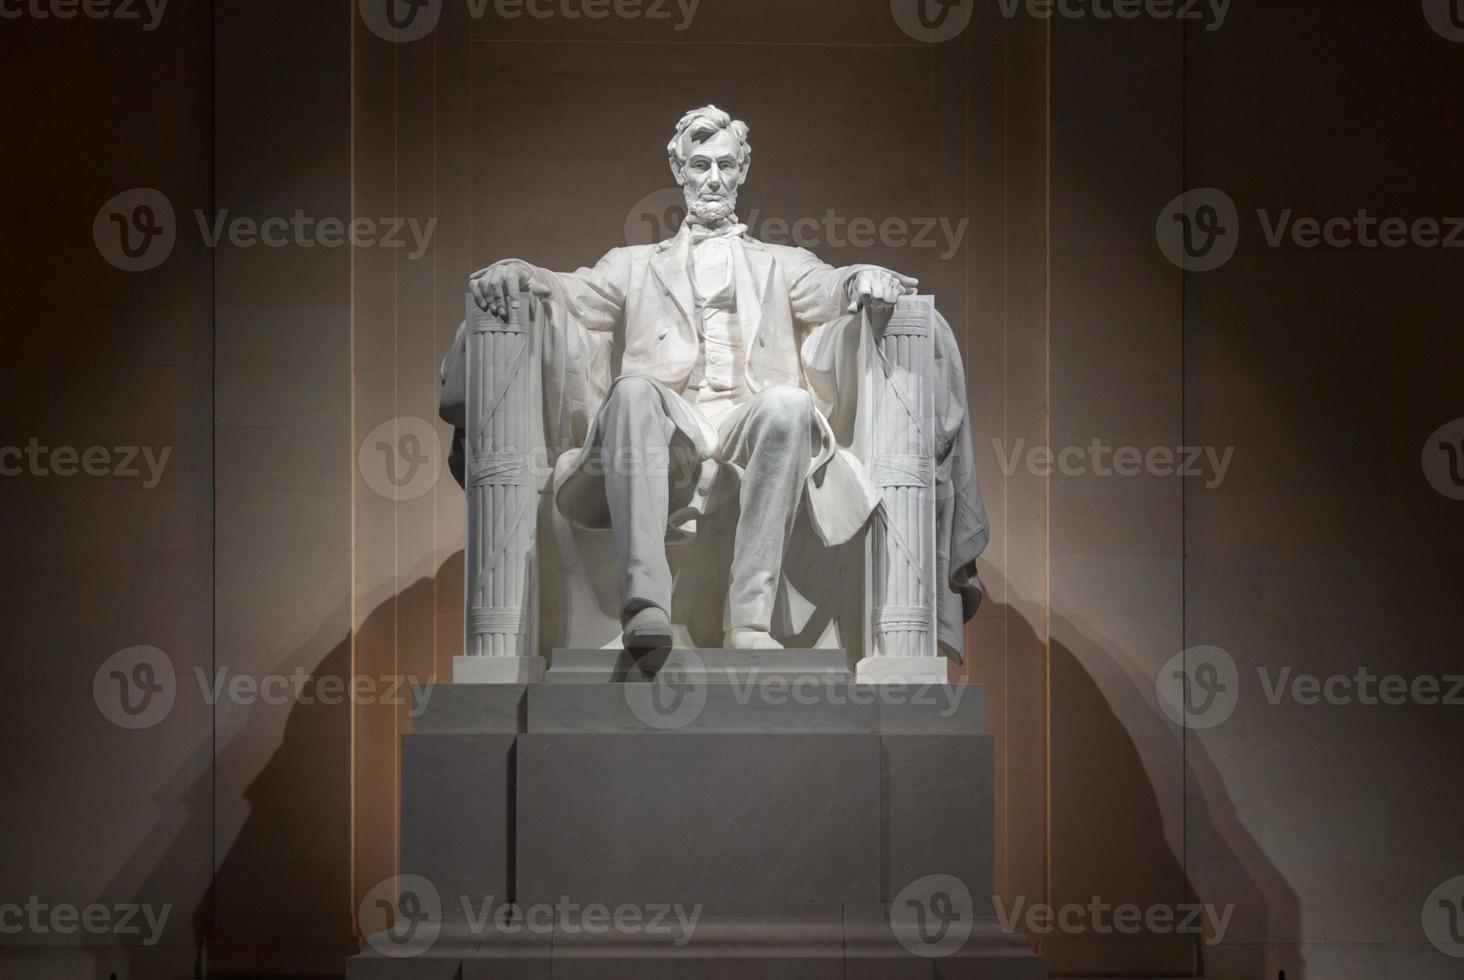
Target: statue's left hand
879,288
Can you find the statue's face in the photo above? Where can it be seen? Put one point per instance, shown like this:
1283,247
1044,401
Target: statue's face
711,176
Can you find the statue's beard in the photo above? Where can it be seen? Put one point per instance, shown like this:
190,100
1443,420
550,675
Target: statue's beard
710,212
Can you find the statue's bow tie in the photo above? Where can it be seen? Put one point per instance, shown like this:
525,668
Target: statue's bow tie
727,229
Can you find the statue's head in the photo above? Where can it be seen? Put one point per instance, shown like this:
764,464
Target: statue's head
710,157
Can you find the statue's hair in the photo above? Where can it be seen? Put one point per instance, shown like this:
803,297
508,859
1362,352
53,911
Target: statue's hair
700,125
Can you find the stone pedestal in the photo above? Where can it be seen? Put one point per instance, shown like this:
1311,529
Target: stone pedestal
733,822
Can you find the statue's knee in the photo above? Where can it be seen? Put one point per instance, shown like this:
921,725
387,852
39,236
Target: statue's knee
785,406
634,392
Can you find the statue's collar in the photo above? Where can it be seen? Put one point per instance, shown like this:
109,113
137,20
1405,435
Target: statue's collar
684,236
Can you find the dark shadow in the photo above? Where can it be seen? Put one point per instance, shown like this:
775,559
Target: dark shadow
1136,825
1159,847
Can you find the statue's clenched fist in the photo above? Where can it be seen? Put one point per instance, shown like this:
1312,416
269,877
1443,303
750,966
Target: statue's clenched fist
874,287
496,288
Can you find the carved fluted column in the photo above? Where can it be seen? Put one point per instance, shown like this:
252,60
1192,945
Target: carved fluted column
502,498
901,555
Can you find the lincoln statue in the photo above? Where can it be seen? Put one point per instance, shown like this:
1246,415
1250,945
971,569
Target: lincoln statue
737,370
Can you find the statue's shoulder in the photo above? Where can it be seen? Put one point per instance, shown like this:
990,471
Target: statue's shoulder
785,255
636,252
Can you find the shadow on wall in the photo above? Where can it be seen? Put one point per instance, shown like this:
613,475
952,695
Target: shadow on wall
279,903
259,900
1117,745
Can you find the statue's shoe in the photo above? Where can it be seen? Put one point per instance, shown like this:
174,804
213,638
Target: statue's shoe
647,629
743,638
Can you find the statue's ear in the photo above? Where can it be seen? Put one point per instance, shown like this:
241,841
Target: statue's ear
746,166
676,171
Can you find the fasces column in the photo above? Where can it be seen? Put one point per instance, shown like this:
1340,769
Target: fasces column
901,553
502,496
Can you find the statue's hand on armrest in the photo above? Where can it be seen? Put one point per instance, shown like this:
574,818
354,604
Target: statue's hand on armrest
878,289
496,288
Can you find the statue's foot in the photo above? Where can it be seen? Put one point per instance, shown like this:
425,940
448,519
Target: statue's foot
747,638
648,628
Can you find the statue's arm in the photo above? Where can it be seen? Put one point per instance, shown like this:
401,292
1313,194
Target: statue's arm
592,298
820,292
582,307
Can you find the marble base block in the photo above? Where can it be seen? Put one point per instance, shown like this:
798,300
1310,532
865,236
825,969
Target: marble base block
456,817
497,670
602,666
730,822
782,818
902,670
